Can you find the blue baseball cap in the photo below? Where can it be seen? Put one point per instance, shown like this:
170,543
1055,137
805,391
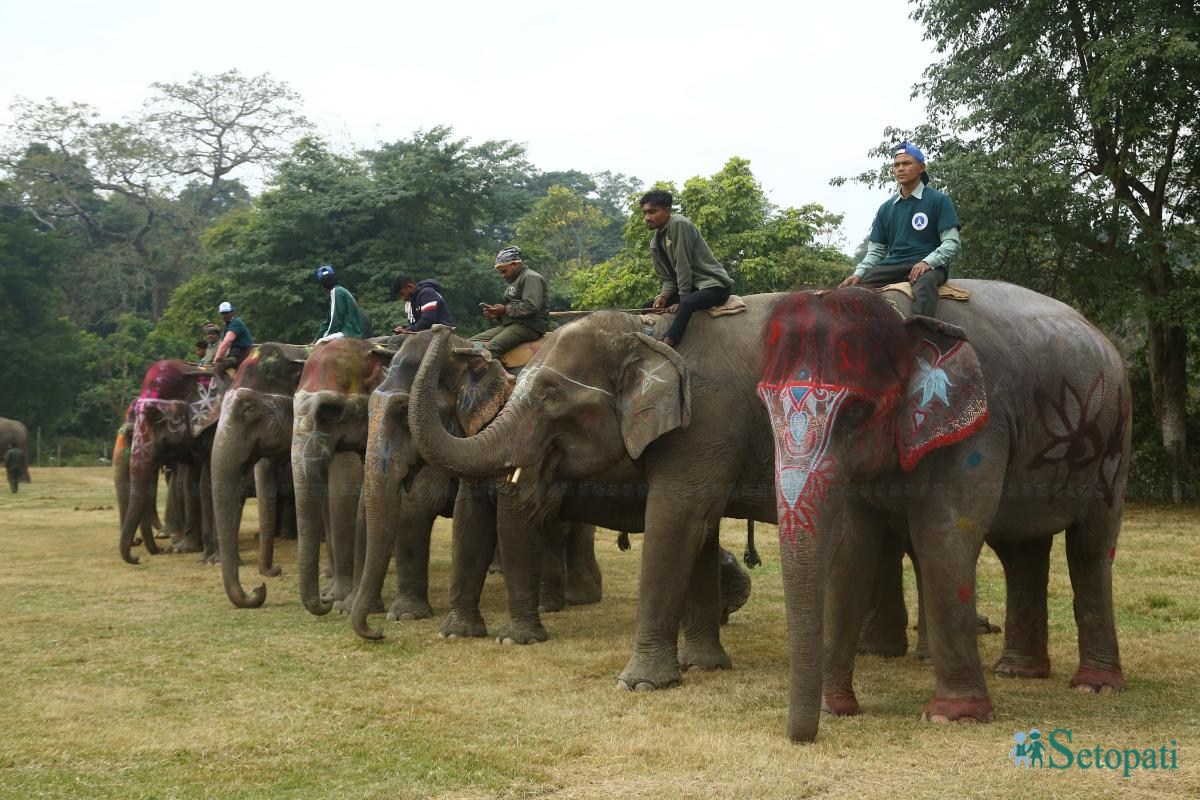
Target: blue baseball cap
910,149
323,271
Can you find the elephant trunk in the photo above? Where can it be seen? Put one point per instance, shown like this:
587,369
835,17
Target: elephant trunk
142,474
120,465
310,471
507,442
803,561
228,469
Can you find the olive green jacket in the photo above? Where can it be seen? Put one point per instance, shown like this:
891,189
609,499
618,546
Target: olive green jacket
688,264
526,301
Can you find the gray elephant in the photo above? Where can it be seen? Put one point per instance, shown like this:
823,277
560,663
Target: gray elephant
173,421
608,425
254,432
1009,432
121,483
404,495
329,438
14,434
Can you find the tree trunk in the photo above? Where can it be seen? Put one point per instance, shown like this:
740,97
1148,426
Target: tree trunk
1167,361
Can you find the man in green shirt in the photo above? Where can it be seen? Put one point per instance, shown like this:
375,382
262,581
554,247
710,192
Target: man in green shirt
692,278
345,318
236,343
524,315
212,338
914,235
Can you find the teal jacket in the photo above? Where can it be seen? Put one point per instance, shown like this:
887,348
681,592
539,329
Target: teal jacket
344,317
683,261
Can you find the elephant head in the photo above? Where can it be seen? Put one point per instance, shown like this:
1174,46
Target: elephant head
177,405
852,391
329,417
255,422
403,492
602,391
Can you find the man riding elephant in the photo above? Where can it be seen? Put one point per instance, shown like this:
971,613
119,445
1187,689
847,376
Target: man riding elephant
524,316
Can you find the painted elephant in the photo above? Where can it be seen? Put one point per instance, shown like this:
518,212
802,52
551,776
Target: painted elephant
404,495
1009,432
173,420
605,411
254,433
14,434
329,438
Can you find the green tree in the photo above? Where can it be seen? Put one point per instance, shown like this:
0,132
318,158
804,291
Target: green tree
1074,124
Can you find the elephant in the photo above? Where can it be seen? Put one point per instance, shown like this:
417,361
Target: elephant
329,438
173,420
1004,421
404,496
605,409
14,434
254,432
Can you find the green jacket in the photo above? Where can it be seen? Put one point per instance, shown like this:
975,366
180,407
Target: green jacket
684,263
526,301
14,459
344,317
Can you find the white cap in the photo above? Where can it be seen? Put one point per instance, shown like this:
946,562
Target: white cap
225,308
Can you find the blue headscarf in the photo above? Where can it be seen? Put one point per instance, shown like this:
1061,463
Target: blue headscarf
908,148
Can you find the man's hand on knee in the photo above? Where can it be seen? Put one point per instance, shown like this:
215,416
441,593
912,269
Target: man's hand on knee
919,269
852,280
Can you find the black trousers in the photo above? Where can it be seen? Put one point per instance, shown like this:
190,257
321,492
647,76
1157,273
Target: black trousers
14,479
924,290
696,301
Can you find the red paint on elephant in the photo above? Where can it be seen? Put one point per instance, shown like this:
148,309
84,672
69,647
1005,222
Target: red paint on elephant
1112,553
965,593
167,380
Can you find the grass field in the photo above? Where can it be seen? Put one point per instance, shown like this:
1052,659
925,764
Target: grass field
121,681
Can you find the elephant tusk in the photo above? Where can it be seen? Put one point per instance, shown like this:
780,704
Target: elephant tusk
516,475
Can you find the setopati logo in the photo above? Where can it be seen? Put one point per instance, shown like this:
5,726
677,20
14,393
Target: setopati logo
1059,750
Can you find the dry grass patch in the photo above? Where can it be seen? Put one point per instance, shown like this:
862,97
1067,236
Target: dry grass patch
123,681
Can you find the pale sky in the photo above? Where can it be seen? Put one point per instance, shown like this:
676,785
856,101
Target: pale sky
661,91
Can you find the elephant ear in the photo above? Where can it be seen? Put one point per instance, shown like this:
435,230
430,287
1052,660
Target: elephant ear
204,402
654,398
486,386
945,400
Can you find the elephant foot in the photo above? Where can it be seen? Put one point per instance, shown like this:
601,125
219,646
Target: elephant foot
1098,680
495,569
273,571
921,653
457,626
212,559
1018,667
885,646
983,626
840,704
961,709
187,546
705,657
409,608
346,605
521,633
643,674
552,604
163,534
584,594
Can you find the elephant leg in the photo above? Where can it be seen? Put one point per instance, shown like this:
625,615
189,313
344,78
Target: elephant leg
267,489
921,651
676,527
522,545
190,537
585,583
1026,572
374,604
735,584
850,585
702,616
552,594
345,481
1091,548
148,515
411,553
208,531
947,534
474,542
885,630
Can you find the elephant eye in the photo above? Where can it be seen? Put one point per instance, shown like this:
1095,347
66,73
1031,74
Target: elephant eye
857,412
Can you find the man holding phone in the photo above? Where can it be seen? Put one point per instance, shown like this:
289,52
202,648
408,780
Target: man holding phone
524,315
